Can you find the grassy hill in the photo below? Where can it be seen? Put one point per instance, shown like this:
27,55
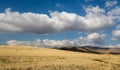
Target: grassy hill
34,58
90,49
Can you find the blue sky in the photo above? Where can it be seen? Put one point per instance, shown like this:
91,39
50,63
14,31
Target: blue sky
60,20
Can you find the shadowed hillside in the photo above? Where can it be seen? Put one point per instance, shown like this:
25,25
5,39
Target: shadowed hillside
89,49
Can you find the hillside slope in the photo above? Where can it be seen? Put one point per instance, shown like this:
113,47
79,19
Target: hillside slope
34,58
90,49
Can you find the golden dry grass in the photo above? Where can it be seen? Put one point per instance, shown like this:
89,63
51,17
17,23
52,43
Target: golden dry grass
33,58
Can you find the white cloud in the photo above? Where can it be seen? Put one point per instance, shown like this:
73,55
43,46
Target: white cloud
92,39
118,27
110,3
114,12
53,43
46,43
118,45
95,19
96,38
114,39
113,46
116,33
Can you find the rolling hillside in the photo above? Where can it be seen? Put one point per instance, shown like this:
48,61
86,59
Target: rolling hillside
90,49
34,58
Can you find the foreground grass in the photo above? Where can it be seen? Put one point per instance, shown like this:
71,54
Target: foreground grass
33,58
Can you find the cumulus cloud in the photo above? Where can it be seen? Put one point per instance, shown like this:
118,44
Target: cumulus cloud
95,19
82,41
46,43
113,46
96,38
92,39
118,27
114,39
110,3
116,33
115,13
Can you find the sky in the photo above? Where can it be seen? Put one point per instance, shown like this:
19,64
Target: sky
57,23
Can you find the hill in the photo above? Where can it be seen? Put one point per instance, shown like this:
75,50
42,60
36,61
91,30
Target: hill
34,58
90,49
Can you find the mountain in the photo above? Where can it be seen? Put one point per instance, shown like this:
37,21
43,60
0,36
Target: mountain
90,49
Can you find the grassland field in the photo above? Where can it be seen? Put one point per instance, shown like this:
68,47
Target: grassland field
34,58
